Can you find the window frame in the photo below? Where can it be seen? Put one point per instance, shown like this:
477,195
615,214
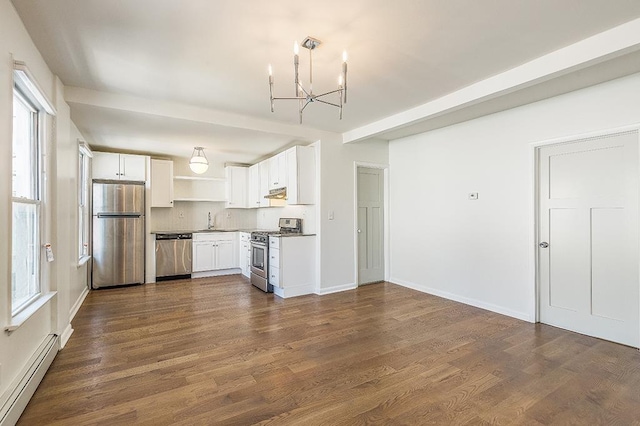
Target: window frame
84,204
27,86
35,198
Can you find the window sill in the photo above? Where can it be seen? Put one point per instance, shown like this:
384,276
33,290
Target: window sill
25,314
83,260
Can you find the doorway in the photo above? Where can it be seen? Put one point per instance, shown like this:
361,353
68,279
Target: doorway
588,266
370,184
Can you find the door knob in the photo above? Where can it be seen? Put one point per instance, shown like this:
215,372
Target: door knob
359,231
544,244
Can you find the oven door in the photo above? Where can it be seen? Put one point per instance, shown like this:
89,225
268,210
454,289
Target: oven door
259,259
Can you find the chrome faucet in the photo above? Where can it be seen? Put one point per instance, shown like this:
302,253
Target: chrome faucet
209,224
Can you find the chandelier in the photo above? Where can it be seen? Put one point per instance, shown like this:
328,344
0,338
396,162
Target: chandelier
306,96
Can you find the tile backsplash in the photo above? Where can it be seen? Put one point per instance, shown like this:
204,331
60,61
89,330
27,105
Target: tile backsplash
185,215
191,216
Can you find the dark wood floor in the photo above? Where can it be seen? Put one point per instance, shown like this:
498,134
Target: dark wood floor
218,351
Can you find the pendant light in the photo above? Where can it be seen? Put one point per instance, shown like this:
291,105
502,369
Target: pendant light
198,163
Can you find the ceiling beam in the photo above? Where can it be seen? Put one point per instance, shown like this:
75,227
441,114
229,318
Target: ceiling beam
78,95
611,44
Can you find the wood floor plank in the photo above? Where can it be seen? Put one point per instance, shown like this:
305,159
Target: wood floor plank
218,351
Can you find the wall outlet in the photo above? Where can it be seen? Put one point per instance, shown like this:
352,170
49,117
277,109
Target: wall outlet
473,195
228,215
181,215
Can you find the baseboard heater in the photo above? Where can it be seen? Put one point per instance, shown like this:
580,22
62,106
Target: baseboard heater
25,386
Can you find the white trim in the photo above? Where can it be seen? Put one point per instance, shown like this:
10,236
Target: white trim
466,300
301,290
25,80
215,273
22,317
64,338
84,259
385,206
534,148
336,289
15,399
76,306
84,148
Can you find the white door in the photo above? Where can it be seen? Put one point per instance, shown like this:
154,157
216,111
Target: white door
203,256
588,237
370,225
105,165
133,167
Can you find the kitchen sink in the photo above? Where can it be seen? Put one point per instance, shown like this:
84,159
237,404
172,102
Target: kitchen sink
216,230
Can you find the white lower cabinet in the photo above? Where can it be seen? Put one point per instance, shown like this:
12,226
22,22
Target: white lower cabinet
292,265
245,253
214,251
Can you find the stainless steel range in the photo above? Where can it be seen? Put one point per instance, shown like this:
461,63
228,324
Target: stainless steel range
260,251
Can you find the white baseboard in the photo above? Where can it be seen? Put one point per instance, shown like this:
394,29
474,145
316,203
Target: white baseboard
64,337
337,288
16,398
217,273
79,302
462,299
300,290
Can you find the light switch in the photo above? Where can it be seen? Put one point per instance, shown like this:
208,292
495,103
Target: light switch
473,195
330,214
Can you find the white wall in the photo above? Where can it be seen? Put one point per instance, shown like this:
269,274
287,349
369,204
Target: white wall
16,348
480,252
337,162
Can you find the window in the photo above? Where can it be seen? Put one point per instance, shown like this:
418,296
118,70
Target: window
84,161
32,121
26,203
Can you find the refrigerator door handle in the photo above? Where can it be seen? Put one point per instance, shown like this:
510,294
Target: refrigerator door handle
111,215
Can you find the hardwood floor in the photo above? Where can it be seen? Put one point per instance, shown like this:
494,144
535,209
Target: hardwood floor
218,351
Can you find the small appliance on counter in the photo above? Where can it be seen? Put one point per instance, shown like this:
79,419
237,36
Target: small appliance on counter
260,251
173,256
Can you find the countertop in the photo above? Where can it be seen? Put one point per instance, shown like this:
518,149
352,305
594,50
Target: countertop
202,231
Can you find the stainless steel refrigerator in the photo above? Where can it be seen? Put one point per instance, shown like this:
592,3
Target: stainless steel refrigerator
118,233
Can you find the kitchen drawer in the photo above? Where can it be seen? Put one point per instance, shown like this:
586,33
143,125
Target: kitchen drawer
274,258
214,236
274,242
274,276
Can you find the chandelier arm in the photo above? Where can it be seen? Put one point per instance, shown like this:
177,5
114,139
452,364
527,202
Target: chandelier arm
290,97
305,91
305,105
329,93
328,103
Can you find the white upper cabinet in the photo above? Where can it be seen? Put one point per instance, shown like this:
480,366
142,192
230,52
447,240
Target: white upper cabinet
113,166
301,175
236,186
253,191
278,171
263,189
161,183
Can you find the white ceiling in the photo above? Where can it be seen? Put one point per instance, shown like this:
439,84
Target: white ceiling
213,55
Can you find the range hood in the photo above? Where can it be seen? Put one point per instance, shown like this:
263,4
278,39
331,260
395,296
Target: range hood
277,194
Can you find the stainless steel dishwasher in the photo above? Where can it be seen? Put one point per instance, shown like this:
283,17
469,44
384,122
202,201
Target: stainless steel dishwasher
173,256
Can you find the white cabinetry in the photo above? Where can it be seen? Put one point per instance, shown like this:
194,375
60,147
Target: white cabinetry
236,186
161,183
278,171
198,188
113,166
301,175
292,261
245,253
263,168
214,251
